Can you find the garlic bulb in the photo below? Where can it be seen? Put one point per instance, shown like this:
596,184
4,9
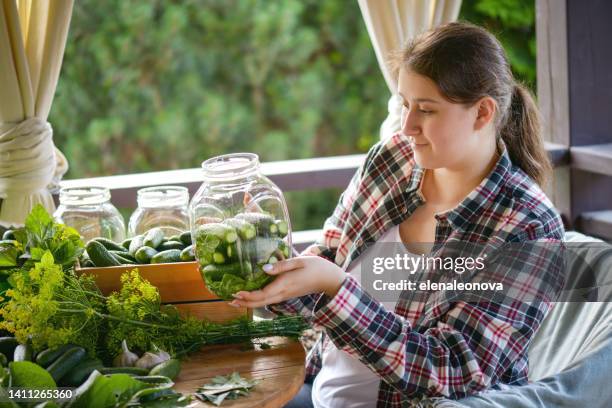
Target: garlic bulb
161,353
149,360
152,358
126,358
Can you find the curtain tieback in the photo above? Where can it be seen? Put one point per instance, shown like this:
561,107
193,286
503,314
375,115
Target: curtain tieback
27,165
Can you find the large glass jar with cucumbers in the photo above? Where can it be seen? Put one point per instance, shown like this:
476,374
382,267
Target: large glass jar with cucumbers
239,222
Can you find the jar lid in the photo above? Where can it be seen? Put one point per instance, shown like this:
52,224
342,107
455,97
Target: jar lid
163,196
89,195
231,166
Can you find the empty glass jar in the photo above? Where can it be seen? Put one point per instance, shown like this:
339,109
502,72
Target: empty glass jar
165,207
90,212
239,222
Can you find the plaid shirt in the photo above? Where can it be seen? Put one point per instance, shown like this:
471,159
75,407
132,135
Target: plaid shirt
431,347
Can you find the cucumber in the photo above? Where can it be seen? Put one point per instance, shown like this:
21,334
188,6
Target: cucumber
23,352
177,238
3,360
245,229
154,237
169,256
9,235
232,251
185,238
8,345
126,244
88,264
187,254
169,368
100,256
282,227
48,356
9,242
171,245
136,244
284,248
66,362
214,273
223,232
123,254
219,258
263,223
110,244
122,259
259,250
144,254
81,371
273,230
124,370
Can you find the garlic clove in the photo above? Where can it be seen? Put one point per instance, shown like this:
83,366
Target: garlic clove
126,358
163,355
148,360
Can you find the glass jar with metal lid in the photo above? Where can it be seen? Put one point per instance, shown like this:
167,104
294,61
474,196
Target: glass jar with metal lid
165,207
90,212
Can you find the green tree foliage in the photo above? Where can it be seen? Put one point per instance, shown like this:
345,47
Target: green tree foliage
513,22
157,85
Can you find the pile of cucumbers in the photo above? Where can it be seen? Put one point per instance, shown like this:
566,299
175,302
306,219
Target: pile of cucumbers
70,365
231,253
151,247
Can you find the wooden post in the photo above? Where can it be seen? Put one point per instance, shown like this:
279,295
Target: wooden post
575,96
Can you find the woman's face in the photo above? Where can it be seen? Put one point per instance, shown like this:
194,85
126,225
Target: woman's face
444,134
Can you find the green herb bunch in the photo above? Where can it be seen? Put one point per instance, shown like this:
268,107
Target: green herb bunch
49,307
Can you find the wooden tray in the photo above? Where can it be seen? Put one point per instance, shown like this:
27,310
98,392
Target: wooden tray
280,371
178,283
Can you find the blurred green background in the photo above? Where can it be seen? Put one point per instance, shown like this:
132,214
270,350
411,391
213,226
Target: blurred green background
158,85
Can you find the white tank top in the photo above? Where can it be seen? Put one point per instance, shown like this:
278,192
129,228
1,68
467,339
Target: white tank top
343,380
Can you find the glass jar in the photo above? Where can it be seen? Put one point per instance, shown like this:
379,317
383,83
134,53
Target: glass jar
90,212
164,207
239,222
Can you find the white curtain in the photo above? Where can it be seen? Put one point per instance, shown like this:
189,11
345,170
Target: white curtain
390,24
32,41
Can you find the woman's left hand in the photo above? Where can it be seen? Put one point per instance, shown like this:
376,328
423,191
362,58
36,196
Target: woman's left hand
294,277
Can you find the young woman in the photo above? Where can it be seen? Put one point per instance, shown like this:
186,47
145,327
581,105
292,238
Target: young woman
467,166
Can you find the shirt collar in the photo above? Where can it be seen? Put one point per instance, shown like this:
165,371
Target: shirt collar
482,197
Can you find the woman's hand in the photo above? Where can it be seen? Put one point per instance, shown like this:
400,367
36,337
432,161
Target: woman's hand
294,277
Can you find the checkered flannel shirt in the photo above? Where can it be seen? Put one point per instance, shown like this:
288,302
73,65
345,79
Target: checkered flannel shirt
433,347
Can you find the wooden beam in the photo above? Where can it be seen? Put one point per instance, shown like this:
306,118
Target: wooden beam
552,69
597,223
594,159
553,94
289,175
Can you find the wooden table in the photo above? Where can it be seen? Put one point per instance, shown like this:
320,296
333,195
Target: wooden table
280,371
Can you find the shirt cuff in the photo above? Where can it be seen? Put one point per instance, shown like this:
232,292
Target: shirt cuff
334,313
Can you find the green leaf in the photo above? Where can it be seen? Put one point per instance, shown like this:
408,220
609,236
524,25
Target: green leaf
8,256
39,224
26,374
107,391
37,253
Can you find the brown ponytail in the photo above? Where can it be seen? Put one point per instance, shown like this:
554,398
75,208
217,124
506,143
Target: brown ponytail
468,63
521,134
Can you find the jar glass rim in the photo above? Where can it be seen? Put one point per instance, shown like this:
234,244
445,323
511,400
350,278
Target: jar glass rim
163,196
86,195
231,165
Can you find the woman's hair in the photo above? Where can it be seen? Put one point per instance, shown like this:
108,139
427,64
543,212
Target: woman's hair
468,63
